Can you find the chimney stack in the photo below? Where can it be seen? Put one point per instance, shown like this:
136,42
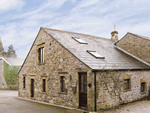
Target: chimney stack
114,34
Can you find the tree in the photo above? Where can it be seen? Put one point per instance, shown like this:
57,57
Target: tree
11,52
1,45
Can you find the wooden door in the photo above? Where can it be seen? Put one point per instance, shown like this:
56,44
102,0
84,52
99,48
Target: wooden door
83,90
32,87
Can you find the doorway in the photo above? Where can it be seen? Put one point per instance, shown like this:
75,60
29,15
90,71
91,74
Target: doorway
83,90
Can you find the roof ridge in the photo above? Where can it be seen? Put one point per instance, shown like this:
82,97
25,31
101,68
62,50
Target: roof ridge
75,33
141,36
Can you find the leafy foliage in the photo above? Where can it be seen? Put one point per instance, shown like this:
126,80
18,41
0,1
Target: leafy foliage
11,52
11,74
13,87
1,46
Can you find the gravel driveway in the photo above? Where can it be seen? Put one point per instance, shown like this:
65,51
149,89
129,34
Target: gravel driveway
135,107
9,103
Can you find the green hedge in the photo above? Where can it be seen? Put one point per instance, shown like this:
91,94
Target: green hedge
11,74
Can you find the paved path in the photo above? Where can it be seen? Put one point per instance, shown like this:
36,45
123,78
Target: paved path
9,103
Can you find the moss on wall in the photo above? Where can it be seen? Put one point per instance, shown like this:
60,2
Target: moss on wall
10,74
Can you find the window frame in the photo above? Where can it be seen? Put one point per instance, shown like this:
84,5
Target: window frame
125,77
144,87
143,80
95,54
24,82
128,84
44,85
79,40
41,53
62,83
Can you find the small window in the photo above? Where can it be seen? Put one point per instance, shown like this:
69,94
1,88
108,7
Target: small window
44,85
24,82
41,55
95,54
143,86
79,40
126,84
62,84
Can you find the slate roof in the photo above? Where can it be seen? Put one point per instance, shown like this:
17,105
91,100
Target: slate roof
114,58
14,61
148,38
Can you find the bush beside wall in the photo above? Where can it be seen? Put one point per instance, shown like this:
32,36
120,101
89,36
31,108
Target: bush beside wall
11,75
13,87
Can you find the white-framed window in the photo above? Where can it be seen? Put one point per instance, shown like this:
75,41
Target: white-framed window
79,40
41,55
95,54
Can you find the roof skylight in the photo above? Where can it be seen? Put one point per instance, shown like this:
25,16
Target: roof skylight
79,40
95,54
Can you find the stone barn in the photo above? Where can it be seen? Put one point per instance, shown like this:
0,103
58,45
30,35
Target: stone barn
82,71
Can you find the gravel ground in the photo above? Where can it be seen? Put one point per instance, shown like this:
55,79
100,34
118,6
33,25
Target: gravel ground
9,103
135,107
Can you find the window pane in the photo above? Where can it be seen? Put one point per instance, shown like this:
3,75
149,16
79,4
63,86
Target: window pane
95,54
62,82
41,55
143,86
79,40
44,85
23,82
126,83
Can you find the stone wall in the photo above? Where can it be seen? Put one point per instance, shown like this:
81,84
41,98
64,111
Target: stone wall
110,92
136,46
58,61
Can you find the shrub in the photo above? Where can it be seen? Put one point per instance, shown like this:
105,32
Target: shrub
11,74
13,87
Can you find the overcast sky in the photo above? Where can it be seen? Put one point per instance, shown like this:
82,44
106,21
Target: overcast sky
20,20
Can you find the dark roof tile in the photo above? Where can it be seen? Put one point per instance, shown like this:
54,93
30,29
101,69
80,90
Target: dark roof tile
114,58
